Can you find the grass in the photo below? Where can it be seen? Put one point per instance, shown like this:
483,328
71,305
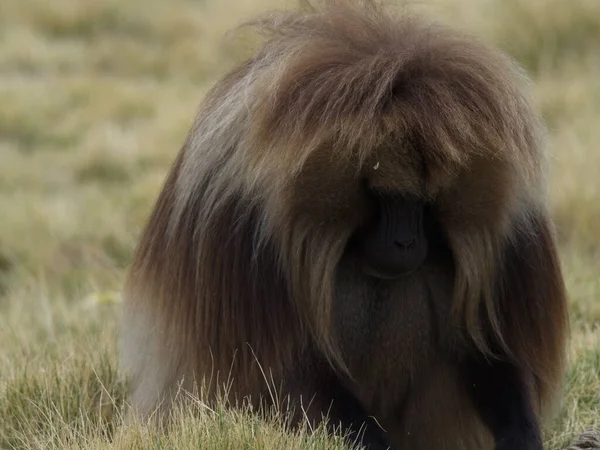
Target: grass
96,97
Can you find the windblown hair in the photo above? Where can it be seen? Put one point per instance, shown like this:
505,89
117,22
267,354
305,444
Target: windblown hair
235,271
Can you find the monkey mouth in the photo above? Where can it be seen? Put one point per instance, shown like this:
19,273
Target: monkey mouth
387,275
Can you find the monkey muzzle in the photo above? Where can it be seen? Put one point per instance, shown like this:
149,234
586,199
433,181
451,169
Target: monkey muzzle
395,242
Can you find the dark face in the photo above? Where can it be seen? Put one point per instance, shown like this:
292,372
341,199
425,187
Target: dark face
394,242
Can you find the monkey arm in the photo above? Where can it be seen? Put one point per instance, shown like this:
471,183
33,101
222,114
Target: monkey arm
503,396
513,389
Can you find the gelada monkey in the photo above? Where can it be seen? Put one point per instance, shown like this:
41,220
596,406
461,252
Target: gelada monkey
358,216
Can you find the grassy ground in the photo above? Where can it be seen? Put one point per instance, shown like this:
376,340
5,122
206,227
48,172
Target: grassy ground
95,99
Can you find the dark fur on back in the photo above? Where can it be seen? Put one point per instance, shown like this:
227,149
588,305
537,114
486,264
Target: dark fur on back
239,257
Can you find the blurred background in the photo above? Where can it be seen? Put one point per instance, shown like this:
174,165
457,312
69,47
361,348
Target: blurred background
96,97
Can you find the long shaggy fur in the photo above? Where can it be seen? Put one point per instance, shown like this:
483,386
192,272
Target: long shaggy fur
236,269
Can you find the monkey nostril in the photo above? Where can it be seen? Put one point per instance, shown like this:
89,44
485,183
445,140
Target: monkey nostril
405,243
